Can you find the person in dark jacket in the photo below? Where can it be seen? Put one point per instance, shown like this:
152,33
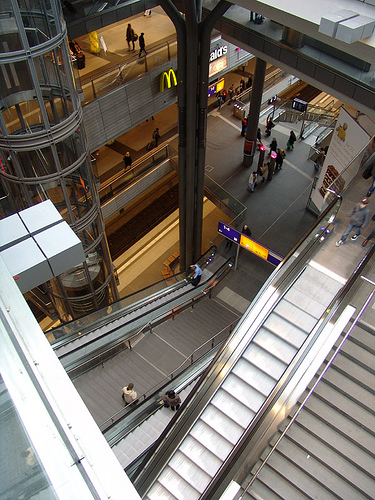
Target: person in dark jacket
156,136
279,159
246,230
142,46
127,160
359,218
273,146
130,36
292,139
171,399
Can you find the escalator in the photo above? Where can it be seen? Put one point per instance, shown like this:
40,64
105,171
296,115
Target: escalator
80,341
134,433
253,380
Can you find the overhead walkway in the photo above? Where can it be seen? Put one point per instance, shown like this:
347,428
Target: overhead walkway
273,347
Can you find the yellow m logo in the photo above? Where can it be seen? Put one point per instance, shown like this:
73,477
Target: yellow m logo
169,77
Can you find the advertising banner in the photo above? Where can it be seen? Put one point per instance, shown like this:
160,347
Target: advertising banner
348,143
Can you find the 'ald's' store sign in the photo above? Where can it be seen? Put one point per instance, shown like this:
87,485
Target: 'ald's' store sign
218,60
169,78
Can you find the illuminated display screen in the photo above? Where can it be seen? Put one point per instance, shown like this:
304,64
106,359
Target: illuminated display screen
217,66
254,247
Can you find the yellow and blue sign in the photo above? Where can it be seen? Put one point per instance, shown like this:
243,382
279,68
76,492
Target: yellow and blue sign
251,245
168,77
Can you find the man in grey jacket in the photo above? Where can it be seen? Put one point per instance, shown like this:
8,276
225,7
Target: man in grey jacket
359,217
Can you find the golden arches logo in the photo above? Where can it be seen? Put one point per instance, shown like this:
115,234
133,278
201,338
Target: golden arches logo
169,77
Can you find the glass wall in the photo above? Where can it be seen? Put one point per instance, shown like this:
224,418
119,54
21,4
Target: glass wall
43,152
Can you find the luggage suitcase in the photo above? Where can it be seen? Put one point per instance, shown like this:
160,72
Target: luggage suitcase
80,61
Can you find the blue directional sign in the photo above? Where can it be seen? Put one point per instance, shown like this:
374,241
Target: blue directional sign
249,244
229,232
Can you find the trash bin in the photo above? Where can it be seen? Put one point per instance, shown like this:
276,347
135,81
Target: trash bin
239,111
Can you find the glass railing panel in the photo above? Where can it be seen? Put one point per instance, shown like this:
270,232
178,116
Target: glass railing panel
88,91
23,476
133,69
235,206
157,57
107,82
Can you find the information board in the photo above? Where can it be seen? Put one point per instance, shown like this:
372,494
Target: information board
249,244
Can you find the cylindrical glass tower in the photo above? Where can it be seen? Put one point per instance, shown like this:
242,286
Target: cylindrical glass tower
43,153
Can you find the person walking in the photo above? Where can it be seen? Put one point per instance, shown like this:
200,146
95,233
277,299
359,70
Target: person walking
319,159
195,279
359,218
171,399
231,93
264,171
130,36
269,125
292,139
156,136
259,135
252,182
142,45
219,98
273,146
372,188
128,394
127,160
279,159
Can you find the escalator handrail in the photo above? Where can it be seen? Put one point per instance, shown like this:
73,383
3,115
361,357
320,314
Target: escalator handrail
203,291
209,254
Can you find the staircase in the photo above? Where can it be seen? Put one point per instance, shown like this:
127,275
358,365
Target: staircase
329,451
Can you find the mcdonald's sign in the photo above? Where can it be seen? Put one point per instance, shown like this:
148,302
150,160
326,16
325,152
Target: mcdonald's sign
169,77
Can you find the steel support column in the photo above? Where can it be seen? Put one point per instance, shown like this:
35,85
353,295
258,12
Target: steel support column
192,68
253,118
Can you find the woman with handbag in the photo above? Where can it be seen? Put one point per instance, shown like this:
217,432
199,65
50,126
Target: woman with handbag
130,36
